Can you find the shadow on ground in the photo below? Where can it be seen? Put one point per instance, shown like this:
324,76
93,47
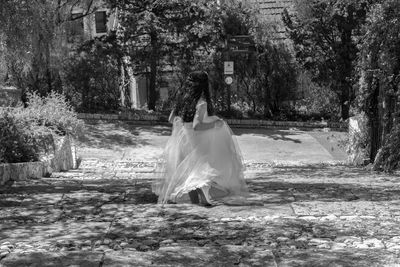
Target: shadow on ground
112,222
275,134
109,135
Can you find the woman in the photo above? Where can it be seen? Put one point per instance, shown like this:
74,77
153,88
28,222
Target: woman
201,161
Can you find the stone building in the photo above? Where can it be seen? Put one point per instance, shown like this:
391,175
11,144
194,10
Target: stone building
270,11
98,22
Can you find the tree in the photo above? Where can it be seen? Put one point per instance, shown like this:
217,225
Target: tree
325,34
93,75
379,81
28,35
266,78
158,33
265,73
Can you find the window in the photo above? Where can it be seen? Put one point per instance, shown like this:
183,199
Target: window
101,21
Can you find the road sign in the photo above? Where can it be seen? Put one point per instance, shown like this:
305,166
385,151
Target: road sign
228,80
228,67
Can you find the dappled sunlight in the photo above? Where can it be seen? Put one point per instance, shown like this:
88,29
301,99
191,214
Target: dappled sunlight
48,259
116,135
307,215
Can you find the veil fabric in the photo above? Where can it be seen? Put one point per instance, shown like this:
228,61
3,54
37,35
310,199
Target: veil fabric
194,159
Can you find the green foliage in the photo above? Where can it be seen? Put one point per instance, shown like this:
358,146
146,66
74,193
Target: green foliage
320,101
20,140
379,81
388,158
32,37
159,33
52,112
325,35
25,133
265,79
92,76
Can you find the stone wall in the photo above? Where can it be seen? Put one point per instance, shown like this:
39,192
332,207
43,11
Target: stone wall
20,171
62,159
153,119
9,96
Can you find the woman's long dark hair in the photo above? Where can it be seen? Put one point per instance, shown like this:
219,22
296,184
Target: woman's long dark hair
196,86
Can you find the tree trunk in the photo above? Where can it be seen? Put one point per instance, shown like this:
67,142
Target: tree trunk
153,72
345,87
344,104
228,89
122,84
375,125
346,53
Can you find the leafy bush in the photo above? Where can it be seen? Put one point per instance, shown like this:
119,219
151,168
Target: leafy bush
26,133
52,111
20,140
388,157
92,77
378,84
319,101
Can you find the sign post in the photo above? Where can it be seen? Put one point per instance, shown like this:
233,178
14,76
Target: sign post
235,45
228,67
228,72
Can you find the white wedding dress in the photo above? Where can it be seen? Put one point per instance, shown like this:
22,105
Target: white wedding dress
200,159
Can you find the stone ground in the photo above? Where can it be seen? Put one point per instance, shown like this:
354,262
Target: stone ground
122,141
104,214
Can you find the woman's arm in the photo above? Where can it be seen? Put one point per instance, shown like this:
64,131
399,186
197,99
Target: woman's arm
171,116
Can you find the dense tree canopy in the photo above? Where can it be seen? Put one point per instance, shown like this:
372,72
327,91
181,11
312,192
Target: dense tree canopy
379,82
325,34
156,33
29,35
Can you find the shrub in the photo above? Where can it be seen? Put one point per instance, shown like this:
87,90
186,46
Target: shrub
52,111
388,157
26,133
319,101
20,140
92,77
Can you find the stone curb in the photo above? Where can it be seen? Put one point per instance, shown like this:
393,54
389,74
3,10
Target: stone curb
150,119
63,159
21,171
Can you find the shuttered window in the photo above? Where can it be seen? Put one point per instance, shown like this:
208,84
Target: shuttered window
101,21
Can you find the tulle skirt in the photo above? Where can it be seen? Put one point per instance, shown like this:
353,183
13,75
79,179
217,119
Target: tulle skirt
193,159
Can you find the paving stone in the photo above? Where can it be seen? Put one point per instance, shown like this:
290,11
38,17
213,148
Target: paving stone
38,259
120,219
374,242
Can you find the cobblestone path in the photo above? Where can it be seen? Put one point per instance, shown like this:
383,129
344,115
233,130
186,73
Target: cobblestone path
104,214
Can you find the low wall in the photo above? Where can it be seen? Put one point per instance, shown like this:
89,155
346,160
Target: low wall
123,116
62,159
150,119
20,171
9,96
